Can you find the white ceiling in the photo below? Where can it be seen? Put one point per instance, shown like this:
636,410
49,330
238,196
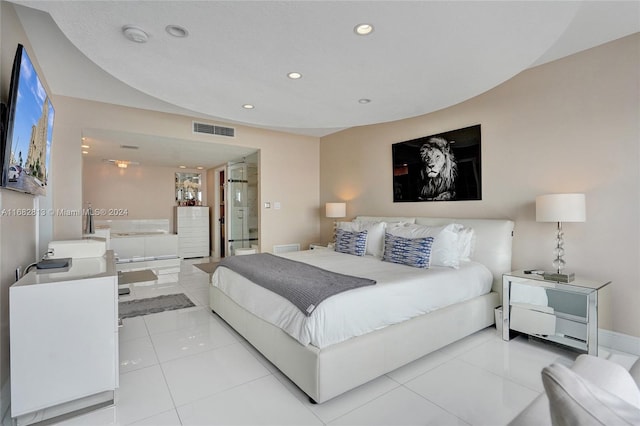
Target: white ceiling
421,57
159,151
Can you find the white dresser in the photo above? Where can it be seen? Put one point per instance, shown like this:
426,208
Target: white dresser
192,227
64,339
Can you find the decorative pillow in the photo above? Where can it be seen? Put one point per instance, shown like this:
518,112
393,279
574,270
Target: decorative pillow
445,251
576,401
375,234
351,242
414,252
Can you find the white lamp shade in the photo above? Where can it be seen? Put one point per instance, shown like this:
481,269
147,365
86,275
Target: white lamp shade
336,209
561,208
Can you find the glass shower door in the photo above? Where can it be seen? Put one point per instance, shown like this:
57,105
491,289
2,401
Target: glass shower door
237,203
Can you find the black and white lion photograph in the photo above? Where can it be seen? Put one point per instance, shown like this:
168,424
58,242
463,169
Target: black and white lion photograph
441,167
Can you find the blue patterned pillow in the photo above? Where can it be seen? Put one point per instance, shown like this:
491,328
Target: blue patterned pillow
414,252
351,242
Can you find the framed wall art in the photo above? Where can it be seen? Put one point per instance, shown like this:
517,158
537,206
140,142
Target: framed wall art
442,167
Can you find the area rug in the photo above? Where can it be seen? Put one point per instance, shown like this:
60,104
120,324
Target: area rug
152,305
207,267
136,276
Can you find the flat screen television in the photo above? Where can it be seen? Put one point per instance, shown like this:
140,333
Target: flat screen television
28,129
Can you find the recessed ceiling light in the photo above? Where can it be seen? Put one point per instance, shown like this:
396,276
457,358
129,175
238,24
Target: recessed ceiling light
248,106
199,167
85,152
363,29
364,101
294,75
83,138
177,31
85,146
183,167
135,34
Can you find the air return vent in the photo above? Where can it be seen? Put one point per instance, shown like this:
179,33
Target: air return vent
129,147
211,129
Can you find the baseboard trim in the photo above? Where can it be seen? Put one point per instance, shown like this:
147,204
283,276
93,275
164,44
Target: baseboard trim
619,342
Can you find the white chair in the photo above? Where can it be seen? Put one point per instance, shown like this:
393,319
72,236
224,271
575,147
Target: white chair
594,391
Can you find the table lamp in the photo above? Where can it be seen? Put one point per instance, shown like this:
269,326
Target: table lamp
560,208
335,211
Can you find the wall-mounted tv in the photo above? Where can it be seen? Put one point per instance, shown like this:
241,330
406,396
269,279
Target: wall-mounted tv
28,129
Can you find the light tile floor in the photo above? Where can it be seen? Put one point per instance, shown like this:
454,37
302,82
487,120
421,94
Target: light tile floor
188,367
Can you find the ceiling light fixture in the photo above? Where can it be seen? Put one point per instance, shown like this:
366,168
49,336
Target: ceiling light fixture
363,29
182,167
135,34
85,146
248,106
85,152
123,164
199,167
364,101
294,75
177,31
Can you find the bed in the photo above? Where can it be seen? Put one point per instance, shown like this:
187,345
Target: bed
327,366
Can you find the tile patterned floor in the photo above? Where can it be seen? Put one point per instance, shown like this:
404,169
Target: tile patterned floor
188,367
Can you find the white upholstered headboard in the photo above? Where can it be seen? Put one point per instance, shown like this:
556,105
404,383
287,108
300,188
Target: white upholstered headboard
492,246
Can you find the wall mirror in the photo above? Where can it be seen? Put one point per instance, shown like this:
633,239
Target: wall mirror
188,189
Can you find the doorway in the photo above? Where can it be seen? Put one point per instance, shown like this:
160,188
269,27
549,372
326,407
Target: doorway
235,212
241,205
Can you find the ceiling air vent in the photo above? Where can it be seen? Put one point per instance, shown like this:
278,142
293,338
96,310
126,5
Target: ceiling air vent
211,129
129,147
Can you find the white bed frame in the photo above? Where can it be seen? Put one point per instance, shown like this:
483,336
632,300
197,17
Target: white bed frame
326,373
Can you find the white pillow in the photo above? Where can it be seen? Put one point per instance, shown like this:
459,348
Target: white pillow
375,234
466,243
445,250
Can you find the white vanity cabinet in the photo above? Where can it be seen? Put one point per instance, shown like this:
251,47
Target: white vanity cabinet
192,227
64,339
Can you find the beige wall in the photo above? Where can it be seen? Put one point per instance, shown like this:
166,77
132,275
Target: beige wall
144,192
289,169
17,233
567,126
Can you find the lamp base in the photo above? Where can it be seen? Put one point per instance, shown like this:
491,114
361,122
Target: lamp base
559,277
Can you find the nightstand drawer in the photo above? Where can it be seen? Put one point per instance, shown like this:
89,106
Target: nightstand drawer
532,322
572,329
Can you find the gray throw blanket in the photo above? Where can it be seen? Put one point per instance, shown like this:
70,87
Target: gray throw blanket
303,285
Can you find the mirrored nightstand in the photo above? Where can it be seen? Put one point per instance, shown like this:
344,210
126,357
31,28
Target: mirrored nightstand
564,313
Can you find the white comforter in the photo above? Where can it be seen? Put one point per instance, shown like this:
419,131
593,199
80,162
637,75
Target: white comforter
401,293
